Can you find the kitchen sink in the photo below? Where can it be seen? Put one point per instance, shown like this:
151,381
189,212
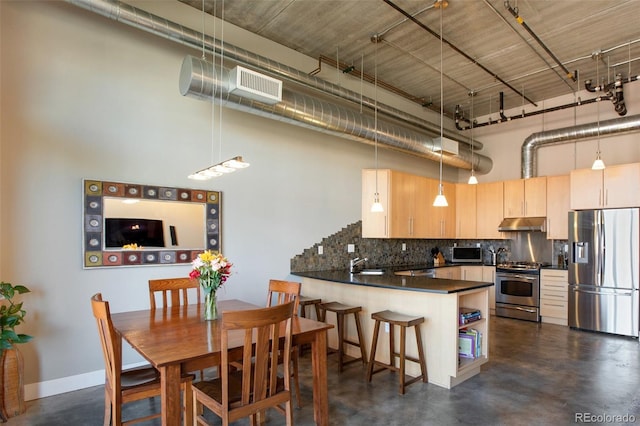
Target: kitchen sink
370,272
430,273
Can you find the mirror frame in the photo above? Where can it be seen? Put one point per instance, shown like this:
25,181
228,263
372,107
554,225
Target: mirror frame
94,253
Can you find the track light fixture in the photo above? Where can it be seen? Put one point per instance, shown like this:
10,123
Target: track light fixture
228,166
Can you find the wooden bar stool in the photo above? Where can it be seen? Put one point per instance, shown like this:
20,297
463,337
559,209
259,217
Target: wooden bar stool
304,302
309,301
403,321
341,310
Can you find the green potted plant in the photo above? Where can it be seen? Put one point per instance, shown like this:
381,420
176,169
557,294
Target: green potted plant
11,364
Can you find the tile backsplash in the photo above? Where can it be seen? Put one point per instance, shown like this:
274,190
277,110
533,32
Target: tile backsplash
389,252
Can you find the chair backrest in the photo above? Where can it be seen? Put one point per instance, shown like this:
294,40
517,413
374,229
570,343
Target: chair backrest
111,343
174,291
259,328
284,292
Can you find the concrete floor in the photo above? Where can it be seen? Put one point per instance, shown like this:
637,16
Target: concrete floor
538,374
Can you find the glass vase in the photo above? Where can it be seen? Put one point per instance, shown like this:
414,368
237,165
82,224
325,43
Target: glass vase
210,306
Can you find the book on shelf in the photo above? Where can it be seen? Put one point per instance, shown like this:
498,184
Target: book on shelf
470,343
468,315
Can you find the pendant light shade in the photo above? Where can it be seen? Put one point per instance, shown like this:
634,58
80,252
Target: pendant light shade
473,180
376,207
441,200
598,164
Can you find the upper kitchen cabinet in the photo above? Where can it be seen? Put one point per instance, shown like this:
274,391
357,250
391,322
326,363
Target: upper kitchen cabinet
466,211
525,197
375,224
405,199
489,212
557,207
608,188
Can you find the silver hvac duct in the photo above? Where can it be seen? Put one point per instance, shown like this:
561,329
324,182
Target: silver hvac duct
569,134
156,25
199,79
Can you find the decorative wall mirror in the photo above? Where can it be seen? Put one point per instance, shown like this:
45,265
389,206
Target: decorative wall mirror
129,224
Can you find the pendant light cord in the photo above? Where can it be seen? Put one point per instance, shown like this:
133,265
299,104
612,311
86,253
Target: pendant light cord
441,102
375,115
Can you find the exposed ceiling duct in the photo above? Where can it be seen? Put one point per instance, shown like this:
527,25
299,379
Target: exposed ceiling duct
569,134
199,80
298,108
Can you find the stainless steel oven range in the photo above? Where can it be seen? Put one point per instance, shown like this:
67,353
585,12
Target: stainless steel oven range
518,290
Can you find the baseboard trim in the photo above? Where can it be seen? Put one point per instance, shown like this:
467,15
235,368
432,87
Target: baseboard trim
67,384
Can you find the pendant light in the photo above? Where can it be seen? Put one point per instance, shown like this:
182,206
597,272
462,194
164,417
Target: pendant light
441,200
598,164
232,164
473,180
376,207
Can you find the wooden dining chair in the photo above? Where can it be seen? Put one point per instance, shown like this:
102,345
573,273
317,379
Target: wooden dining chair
173,291
124,386
283,292
255,387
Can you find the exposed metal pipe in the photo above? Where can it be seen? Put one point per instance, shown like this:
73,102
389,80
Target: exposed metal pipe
534,141
457,50
613,90
524,25
199,79
143,20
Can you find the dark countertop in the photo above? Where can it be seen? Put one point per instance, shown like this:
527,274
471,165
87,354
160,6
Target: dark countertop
396,282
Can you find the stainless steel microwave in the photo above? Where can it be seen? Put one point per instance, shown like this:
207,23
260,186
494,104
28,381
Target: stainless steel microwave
466,254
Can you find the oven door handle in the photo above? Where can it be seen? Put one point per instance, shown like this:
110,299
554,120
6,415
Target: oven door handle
519,308
519,276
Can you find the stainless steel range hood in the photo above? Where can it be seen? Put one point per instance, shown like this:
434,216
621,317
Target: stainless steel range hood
530,224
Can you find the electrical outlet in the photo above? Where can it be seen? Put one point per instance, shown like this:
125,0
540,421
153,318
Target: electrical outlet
351,248
320,250
404,246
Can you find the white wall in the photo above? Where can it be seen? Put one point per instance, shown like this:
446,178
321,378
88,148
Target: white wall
86,97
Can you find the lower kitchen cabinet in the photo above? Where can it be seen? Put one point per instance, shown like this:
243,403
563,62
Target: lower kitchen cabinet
484,274
489,275
471,273
448,272
554,287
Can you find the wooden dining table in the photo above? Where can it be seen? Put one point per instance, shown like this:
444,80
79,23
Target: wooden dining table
178,340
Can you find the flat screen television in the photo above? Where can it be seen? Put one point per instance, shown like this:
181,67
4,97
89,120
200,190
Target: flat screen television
143,232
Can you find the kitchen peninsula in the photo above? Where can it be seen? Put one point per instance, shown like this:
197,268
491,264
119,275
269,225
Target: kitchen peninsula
437,300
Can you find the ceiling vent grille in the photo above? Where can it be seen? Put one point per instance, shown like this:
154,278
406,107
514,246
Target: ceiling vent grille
253,85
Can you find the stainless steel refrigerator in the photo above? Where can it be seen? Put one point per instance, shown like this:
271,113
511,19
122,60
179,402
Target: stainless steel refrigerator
603,270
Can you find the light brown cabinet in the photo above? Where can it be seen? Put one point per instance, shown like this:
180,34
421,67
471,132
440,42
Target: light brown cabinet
554,287
558,207
408,206
608,188
489,212
525,197
489,275
471,273
466,211
448,272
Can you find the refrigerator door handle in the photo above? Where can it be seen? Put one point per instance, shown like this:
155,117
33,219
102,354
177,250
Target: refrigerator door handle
600,260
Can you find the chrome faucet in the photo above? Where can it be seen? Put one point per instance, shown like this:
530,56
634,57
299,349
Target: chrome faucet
355,262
